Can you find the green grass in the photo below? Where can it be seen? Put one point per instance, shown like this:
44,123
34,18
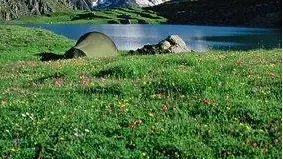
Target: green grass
136,16
189,105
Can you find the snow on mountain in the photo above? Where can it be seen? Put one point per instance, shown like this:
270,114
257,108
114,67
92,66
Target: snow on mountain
123,3
146,3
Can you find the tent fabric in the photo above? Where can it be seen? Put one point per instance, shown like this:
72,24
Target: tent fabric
93,44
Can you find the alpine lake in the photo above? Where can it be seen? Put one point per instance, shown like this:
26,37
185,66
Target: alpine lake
199,38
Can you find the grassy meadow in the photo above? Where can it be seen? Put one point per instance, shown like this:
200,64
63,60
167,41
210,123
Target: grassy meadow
106,16
217,104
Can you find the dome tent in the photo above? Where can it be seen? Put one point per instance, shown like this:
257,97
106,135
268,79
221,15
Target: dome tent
93,44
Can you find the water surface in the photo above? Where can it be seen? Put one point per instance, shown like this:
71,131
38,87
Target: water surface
199,38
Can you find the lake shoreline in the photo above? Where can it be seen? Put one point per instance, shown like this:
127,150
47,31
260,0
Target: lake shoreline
193,24
199,38
16,22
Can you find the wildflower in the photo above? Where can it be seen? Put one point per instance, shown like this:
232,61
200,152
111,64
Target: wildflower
205,101
265,150
3,102
276,141
135,123
85,80
247,140
13,150
273,75
58,82
76,134
151,114
123,104
164,108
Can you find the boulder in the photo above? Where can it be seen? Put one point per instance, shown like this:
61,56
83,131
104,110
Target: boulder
125,21
172,44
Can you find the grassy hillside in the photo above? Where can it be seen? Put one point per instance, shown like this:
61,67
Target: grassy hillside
107,16
189,105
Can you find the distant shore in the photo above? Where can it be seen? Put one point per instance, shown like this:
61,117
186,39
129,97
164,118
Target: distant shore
110,16
147,16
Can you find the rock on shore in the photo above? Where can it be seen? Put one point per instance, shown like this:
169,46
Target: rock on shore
172,44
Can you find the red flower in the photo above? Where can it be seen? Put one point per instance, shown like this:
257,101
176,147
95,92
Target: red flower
58,81
85,80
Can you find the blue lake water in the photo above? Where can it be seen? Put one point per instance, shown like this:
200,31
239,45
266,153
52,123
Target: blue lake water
199,38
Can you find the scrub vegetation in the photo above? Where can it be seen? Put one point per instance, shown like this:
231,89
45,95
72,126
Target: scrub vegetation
215,104
106,16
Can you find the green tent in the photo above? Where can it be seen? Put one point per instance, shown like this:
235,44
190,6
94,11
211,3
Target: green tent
93,44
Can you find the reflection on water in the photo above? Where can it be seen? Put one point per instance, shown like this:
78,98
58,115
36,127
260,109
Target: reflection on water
199,38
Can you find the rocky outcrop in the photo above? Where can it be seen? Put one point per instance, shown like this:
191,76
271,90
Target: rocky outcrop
83,4
172,44
11,9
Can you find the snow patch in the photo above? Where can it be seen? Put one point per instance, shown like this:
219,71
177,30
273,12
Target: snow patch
146,3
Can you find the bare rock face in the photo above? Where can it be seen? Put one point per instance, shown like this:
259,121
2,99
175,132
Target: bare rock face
172,44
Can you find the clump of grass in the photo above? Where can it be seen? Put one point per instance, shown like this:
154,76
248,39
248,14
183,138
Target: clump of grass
122,70
189,105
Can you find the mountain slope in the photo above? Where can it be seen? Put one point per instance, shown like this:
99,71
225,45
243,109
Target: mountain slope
11,9
263,13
